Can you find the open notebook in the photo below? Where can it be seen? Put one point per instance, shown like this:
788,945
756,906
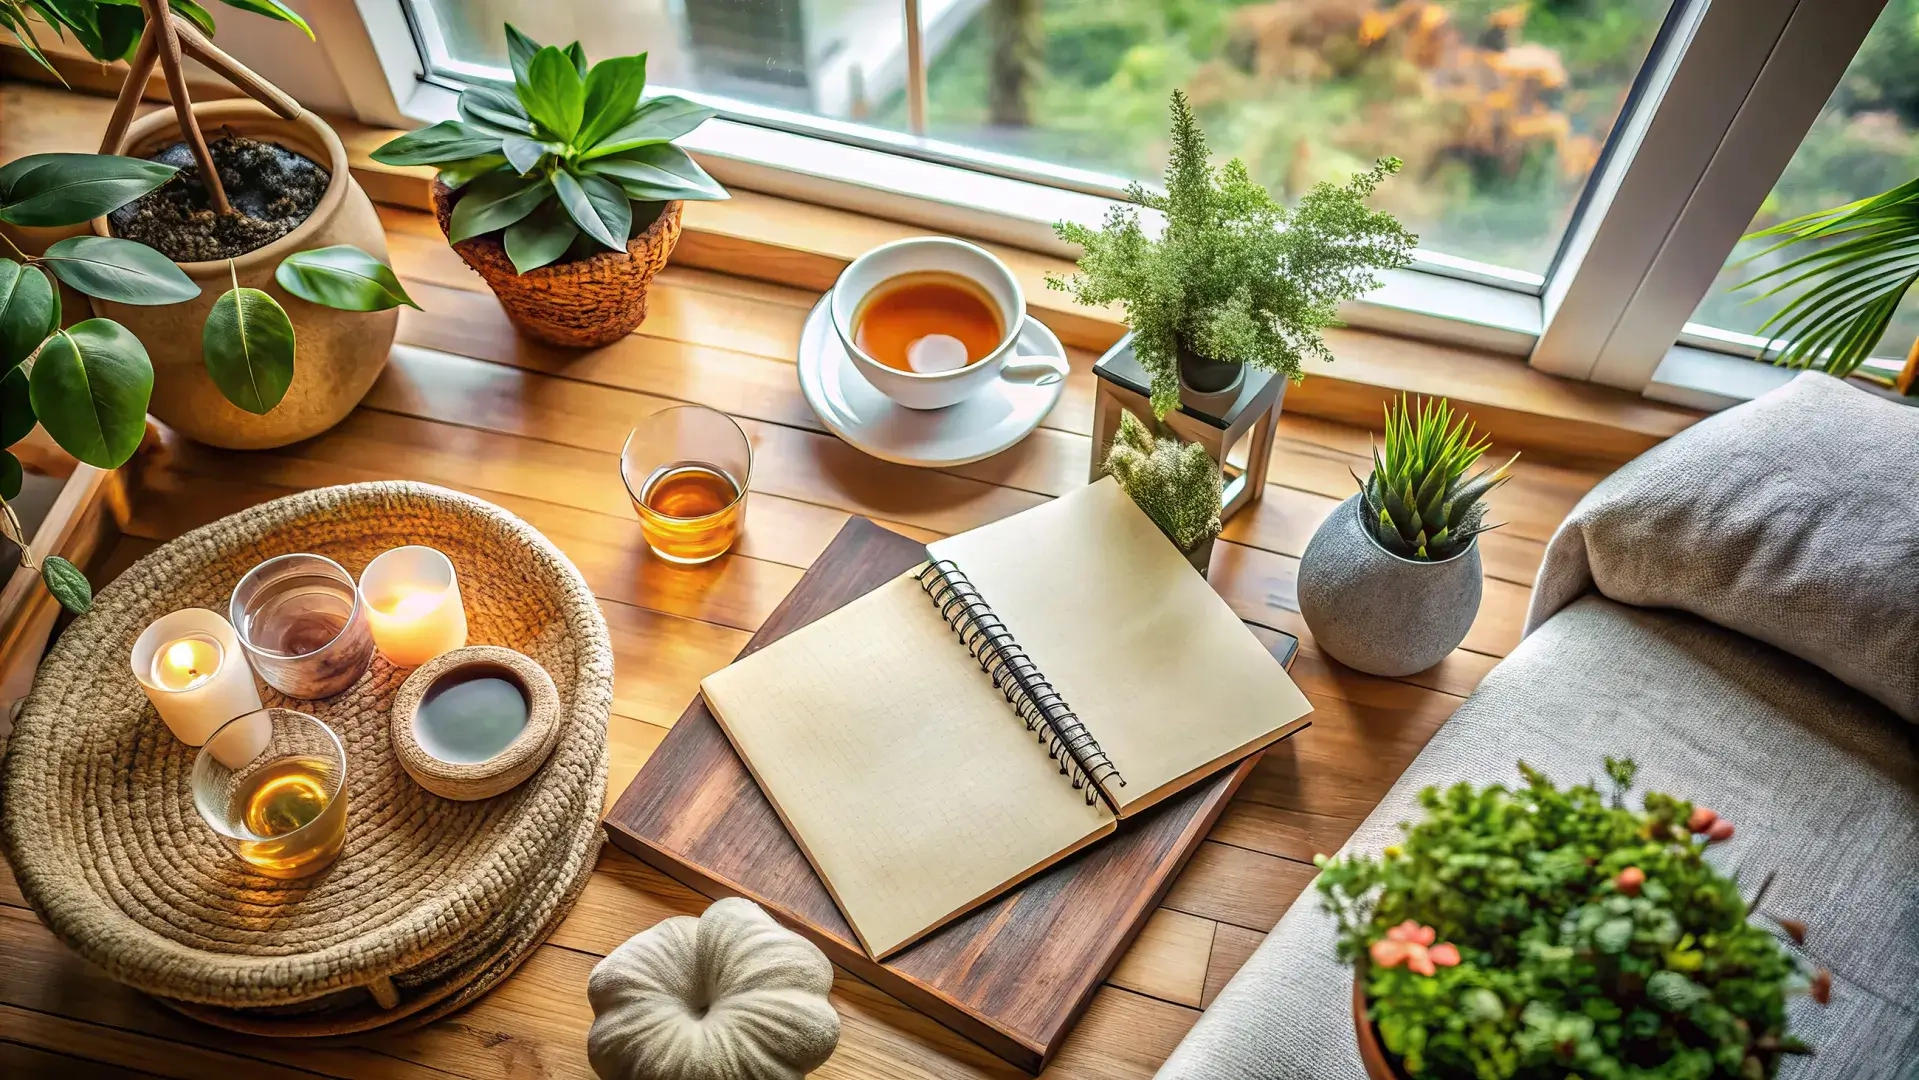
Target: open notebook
976,720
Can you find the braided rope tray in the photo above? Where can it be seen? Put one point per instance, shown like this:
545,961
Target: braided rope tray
430,903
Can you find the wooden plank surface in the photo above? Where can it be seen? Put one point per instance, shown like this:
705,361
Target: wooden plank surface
469,404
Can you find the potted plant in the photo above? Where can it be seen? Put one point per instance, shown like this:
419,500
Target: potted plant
223,261
1176,484
563,190
1544,933
1233,279
1390,582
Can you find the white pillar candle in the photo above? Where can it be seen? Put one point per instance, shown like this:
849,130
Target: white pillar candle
413,605
191,667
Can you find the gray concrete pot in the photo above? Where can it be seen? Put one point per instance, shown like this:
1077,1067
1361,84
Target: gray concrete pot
1374,611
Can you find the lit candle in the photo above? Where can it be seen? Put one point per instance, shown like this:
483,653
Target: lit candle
413,605
191,667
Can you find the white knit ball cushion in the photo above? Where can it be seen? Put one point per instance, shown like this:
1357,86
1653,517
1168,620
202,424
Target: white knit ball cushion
729,995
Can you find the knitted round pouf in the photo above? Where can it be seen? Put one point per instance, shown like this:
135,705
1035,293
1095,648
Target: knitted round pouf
430,903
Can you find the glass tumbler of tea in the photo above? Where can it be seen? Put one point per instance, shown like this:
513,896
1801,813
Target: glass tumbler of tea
282,809
303,625
686,469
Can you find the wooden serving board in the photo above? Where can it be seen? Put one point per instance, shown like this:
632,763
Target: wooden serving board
1014,974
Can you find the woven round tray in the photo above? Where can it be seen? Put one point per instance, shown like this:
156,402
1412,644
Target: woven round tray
431,902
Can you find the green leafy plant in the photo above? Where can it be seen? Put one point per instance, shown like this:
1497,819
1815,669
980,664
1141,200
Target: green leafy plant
1419,503
1535,933
1864,257
567,160
1176,484
110,29
1234,276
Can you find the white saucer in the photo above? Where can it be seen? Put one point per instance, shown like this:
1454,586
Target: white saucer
1000,415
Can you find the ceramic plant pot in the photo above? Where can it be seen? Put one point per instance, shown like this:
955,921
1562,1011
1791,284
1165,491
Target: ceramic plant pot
337,354
1372,1053
1209,385
1376,612
581,304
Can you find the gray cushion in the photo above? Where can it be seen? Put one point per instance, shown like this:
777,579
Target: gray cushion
1821,782
1793,519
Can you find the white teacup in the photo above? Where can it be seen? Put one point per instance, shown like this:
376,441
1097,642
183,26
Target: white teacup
938,389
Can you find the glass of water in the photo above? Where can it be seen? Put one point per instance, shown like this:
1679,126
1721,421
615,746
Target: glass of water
272,784
303,626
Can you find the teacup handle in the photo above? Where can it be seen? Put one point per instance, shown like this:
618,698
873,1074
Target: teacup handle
1036,370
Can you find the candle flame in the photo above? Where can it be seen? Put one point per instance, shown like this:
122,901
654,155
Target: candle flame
412,604
180,655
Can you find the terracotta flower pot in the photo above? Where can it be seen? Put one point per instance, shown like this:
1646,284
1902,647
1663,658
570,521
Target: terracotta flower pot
337,354
1372,1053
581,304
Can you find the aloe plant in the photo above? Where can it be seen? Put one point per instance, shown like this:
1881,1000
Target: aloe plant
565,160
1419,503
1864,257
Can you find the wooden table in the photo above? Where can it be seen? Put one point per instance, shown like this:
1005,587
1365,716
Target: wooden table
467,403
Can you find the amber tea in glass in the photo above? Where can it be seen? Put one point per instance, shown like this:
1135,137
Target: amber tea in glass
283,811
686,469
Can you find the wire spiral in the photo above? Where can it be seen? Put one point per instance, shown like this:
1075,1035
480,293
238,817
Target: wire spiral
1019,680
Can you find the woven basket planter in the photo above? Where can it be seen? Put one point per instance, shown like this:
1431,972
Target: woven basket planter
430,902
583,304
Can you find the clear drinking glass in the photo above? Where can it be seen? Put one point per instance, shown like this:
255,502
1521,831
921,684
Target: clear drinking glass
303,625
283,808
687,469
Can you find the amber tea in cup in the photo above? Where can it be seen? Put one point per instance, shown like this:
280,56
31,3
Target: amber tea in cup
283,810
928,321
686,469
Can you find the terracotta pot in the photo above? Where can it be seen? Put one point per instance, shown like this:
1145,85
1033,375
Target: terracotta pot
337,354
581,304
1372,1052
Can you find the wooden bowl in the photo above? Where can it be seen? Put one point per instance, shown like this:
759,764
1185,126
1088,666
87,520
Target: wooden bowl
520,758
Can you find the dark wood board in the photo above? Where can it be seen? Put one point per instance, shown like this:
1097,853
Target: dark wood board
1014,974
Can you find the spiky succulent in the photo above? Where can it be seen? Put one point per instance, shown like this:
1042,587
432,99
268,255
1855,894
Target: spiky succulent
1177,484
1419,503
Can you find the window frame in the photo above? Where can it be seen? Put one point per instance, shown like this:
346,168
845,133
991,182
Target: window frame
1726,85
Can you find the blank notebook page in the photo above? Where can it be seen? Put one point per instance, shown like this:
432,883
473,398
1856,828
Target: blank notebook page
1153,662
910,783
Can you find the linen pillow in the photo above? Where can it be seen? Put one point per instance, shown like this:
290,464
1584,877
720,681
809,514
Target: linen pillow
1793,518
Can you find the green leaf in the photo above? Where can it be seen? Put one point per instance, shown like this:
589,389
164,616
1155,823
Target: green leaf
16,407
29,311
119,270
493,202
90,387
659,120
67,189
494,110
597,206
247,344
524,154
540,237
343,277
657,173
520,50
67,584
11,476
195,14
23,31
458,174
448,140
273,9
578,55
553,94
613,90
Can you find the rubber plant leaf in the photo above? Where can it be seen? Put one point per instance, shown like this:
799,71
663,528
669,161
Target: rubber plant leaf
247,344
68,189
90,387
110,268
342,277
29,311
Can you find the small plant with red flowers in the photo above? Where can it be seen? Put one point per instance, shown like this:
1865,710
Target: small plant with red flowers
1532,932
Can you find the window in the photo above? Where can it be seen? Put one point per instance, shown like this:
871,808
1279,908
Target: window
1865,141
1580,171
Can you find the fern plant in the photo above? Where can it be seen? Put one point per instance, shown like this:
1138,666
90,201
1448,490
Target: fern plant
1419,503
1865,256
1234,276
1177,484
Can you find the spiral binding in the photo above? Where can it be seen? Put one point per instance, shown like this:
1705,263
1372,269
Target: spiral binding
1019,680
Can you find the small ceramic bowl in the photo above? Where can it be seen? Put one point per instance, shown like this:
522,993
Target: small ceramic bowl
443,762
